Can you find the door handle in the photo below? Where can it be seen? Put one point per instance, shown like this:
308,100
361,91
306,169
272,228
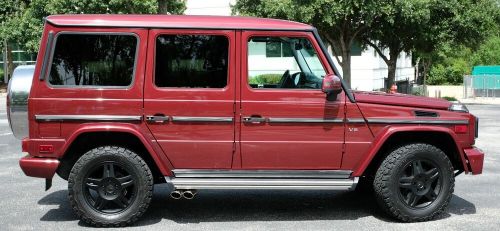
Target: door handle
157,118
254,119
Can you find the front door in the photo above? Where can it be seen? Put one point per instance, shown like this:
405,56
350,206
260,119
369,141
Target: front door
189,96
286,121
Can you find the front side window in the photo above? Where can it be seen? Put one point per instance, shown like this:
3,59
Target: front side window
191,61
283,63
93,60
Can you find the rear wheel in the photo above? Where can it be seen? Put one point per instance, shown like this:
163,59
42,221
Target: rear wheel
110,186
414,182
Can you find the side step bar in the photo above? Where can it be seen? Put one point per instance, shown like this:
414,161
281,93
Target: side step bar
262,179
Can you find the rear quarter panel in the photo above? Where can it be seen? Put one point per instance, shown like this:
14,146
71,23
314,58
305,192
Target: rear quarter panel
62,100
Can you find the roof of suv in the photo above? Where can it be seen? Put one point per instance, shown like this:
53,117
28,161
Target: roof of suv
175,21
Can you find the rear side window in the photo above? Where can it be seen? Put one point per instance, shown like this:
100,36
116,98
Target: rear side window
93,60
191,61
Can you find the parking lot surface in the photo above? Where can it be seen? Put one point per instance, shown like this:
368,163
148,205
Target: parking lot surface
24,205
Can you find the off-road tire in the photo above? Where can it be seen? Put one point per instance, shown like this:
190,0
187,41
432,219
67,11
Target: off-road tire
387,182
123,156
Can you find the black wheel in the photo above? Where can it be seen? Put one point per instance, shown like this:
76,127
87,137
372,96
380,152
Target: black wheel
110,186
414,182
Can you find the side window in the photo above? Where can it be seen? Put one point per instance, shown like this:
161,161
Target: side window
278,49
93,60
191,61
283,62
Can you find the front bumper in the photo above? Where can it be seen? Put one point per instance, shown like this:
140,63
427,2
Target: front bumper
39,167
475,157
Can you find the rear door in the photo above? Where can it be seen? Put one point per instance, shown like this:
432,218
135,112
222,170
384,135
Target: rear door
287,123
189,96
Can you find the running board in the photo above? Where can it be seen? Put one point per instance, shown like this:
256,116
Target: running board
263,179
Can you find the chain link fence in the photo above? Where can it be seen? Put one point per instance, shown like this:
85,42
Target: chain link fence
481,86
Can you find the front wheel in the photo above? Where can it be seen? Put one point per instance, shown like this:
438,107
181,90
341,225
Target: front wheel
110,186
414,182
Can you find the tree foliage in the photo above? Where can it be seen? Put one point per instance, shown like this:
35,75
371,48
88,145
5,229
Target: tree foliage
390,26
171,7
474,41
25,25
424,26
488,53
340,23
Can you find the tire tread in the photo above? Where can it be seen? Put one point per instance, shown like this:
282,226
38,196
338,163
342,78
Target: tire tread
381,184
118,151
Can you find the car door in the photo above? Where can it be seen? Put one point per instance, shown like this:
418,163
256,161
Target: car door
189,96
286,121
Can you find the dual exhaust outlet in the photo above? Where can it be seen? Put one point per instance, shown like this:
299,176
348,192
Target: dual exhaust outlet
186,194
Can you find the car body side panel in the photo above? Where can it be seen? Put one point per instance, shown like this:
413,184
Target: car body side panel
50,100
358,137
139,130
282,145
187,144
386,132
232,145
392,114
46,99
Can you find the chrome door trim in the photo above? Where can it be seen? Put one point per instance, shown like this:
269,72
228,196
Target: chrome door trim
262,183
61,118
223,173
410,121
201,119
355,120
304,120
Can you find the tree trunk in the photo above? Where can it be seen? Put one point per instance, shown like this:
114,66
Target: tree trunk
391,74
426,64
10,65
343,49
346,67
162,7
4,58
392,65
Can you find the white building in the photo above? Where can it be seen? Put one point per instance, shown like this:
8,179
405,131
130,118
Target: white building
368,69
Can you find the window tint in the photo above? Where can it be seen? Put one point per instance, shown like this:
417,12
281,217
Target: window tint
283,62
93,60
191,61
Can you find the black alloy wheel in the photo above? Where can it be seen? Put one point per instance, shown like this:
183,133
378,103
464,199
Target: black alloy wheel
109,188
420,183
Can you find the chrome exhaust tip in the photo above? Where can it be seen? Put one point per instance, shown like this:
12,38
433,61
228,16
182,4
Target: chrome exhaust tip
188,194
176,194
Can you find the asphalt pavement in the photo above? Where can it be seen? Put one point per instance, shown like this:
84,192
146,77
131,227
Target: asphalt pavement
24,205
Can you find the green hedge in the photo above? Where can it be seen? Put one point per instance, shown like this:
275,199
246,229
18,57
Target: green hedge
449,98
266,79
452,74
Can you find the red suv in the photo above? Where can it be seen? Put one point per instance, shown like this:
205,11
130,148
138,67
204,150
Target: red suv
118,103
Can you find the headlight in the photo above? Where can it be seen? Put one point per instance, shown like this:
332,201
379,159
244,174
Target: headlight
458,107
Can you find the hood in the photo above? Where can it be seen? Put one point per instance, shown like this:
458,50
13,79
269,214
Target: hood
401,100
